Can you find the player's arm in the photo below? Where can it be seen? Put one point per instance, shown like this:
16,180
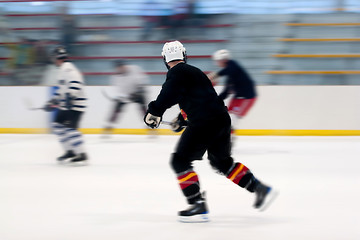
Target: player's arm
75,84
168,96
214,77
227,71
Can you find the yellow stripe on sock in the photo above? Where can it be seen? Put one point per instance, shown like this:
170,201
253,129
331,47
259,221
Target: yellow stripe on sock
187,177
237,172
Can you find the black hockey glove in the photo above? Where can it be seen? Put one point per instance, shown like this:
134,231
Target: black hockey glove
178,124
151,120
51,105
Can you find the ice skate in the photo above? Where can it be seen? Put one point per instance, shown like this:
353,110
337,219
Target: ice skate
80,159
265,195
65,156
196,213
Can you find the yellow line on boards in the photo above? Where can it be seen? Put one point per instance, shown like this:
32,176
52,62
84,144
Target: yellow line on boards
24,130
240,132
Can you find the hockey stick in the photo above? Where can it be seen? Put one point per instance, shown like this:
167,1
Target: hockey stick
29,105
107,96
166,122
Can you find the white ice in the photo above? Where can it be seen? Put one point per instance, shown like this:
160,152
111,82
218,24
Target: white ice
128,191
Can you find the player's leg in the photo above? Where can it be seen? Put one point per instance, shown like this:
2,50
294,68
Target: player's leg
60,130
110,124
219,154
75,137
190,148
238,108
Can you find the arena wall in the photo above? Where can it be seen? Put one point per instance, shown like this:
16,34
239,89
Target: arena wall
279,110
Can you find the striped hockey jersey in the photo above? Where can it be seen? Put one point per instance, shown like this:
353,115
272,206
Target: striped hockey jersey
70,80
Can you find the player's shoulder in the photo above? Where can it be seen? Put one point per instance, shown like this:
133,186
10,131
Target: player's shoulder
182,67
68,67
234,64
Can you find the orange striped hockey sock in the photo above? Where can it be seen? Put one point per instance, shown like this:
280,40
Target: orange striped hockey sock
242,176
190,185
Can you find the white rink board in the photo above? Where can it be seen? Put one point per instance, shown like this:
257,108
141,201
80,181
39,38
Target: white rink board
277,107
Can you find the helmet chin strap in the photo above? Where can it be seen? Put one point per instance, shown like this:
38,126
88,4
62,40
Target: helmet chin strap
185,57
167,66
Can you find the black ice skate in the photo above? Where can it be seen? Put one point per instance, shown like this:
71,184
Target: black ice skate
67,155
80,158
196,213
265,195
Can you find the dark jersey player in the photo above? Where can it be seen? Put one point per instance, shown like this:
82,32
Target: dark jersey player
238,85
207,129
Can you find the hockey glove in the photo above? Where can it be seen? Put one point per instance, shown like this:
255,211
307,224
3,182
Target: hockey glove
51,105
178,124
151,120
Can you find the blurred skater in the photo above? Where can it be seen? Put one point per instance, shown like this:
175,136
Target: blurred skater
130,82
207,128
238,85
71,101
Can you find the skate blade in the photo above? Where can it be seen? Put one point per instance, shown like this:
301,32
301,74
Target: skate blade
269,199
73,164
200,218
62,162
79,163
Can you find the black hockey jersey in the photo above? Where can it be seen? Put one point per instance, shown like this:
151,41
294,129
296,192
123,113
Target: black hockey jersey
238,82
189,87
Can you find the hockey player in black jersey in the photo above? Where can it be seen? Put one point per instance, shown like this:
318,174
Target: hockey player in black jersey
207,128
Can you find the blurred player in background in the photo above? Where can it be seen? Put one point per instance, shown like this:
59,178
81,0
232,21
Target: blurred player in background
207,128
130,82
238,84
71,101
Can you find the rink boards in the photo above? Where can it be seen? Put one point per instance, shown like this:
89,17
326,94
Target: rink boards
279,110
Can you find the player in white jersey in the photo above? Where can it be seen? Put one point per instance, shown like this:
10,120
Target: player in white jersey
71,99
130,82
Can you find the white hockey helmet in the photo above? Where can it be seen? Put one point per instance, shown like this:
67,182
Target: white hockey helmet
222,54
173,51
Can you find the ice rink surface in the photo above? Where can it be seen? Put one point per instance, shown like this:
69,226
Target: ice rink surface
128,190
